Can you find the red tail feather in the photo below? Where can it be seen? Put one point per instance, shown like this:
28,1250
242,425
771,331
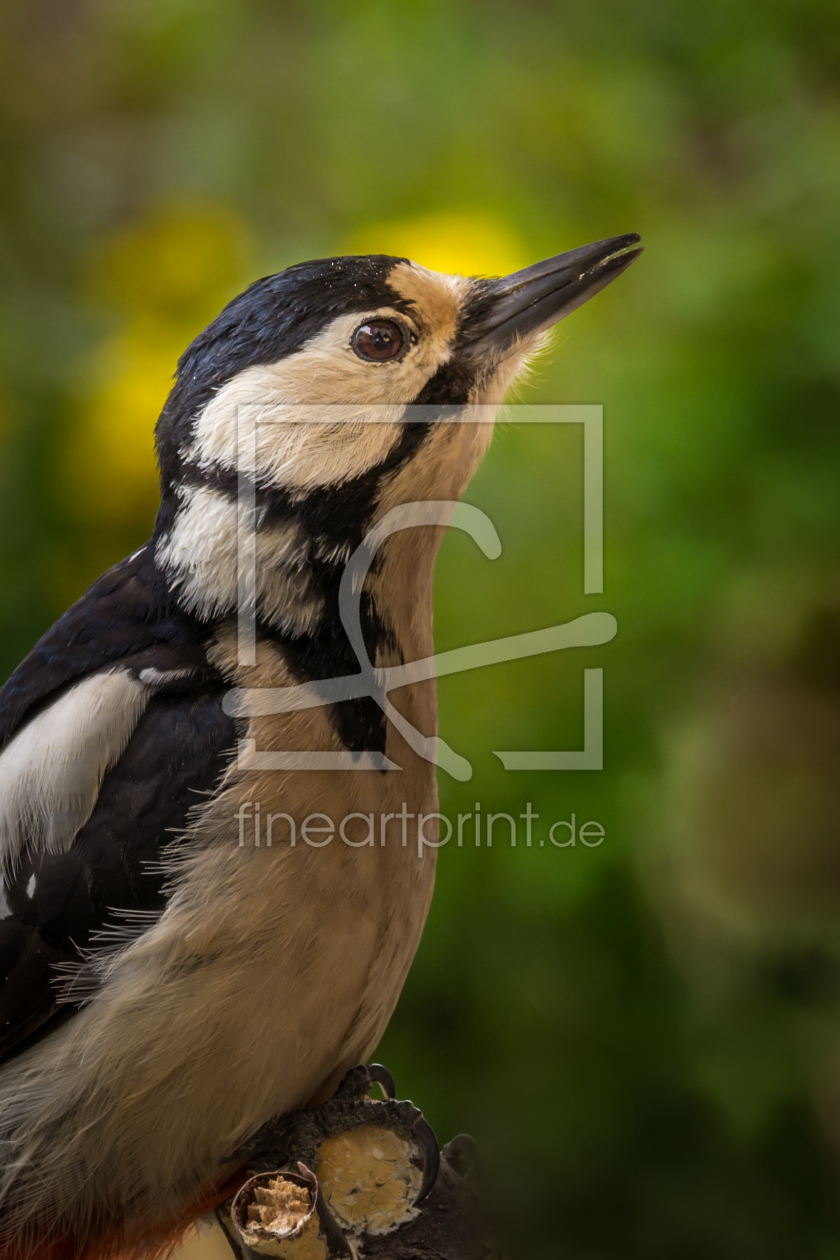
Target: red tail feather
156,1241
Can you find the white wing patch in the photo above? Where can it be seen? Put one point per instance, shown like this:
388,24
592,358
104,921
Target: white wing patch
52,770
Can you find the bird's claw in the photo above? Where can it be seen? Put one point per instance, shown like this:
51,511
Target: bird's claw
378,1074
375,1160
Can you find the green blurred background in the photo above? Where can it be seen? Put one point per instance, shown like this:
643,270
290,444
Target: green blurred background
645,1034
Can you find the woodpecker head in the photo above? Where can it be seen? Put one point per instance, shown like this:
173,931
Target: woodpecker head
302,384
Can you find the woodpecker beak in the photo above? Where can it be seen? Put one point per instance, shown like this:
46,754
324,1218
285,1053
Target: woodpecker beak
531,300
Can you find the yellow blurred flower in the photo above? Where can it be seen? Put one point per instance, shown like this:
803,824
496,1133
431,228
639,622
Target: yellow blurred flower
108,467
472,243
180,263
166,276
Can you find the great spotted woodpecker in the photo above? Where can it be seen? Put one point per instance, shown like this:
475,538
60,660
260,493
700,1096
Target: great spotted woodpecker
166,989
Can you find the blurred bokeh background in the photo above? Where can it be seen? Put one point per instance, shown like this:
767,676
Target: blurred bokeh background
646,1034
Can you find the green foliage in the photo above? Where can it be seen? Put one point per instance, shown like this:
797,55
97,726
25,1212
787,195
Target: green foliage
646,1031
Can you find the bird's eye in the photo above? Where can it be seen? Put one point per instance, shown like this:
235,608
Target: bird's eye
379,339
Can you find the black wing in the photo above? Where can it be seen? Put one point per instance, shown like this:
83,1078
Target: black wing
127,616
54,904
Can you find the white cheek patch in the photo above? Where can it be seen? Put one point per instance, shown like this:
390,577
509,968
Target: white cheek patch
261,424
52,770
201,552
324,415
317,418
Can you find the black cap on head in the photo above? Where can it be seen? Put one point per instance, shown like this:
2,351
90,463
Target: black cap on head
274,317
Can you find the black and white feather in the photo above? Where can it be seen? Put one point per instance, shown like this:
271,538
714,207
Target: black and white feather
112,732
165,989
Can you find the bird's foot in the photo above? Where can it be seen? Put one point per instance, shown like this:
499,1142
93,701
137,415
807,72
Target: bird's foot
375,1160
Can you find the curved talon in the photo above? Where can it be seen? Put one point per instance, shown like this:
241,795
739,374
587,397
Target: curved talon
425,1135
337,1243
381,1076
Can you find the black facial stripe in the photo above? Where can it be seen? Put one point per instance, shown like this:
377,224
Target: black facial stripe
359,724
333,519
271,320
335,515
449,388
340,517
